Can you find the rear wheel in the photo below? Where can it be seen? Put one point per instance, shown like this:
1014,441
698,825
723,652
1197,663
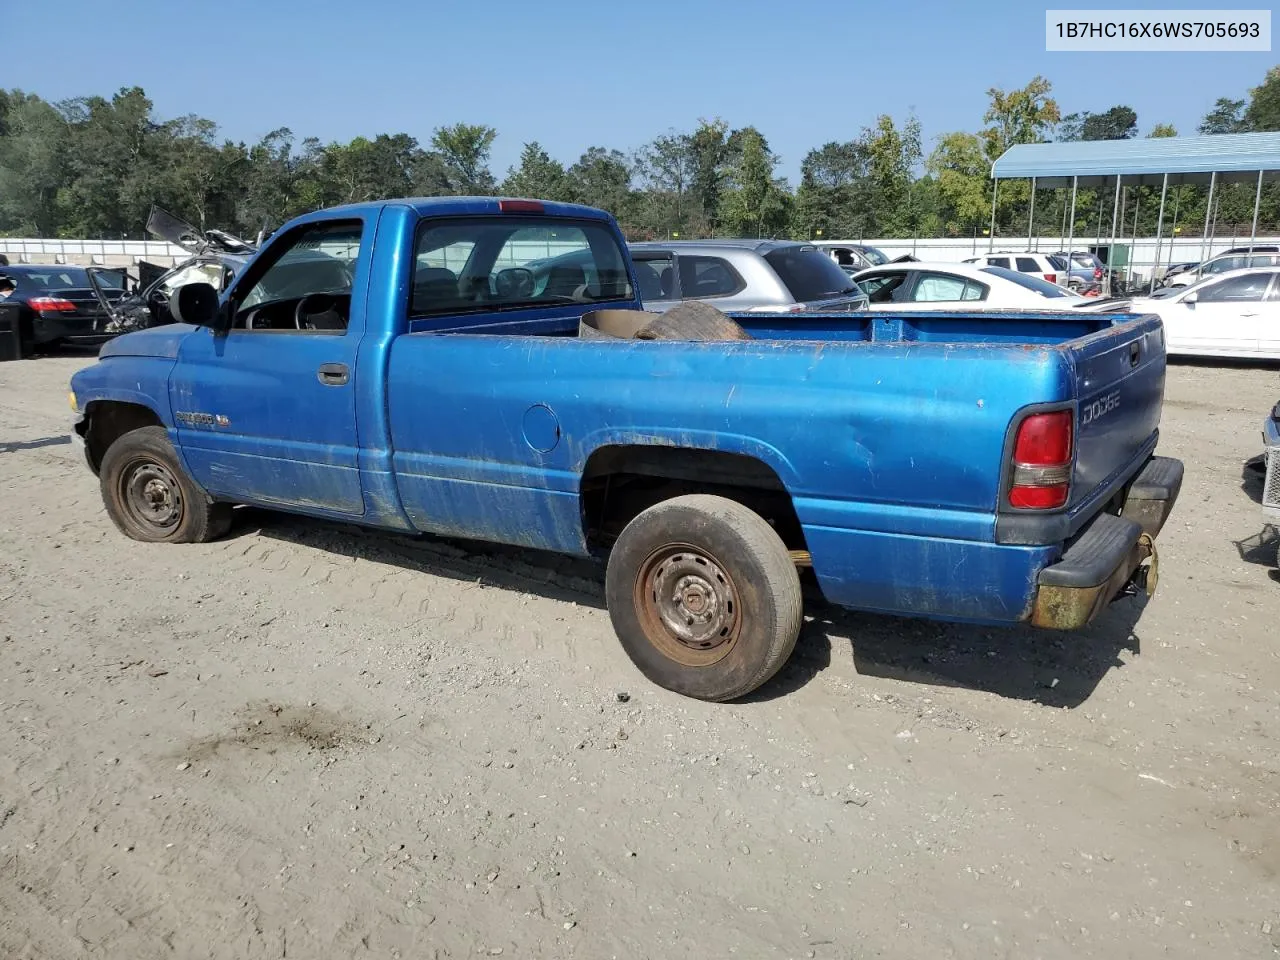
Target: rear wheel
704,597
149,496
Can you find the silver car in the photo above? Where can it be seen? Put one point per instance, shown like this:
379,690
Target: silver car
772,276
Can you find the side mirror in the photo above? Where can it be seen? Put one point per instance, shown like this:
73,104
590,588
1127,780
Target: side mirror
195,303
1191,297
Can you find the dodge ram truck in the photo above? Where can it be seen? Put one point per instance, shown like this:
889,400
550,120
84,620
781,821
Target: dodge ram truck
421,366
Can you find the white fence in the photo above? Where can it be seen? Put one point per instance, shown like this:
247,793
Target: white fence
1141,260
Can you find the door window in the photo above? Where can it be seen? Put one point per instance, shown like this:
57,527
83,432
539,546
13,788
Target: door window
880,287
1028,265
998,262
656,276
305,283
938,287
1248,287
704,277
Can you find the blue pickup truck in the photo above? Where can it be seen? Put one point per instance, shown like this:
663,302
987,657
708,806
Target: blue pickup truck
425,366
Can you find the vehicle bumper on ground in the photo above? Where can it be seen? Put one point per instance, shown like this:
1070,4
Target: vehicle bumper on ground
1112,556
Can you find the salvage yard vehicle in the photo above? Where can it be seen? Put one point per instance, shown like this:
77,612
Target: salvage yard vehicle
763,275
908,286
58,304
988,467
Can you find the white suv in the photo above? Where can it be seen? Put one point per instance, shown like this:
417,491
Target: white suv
1039,265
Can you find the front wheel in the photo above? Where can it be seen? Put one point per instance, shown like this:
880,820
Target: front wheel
704,597
149,496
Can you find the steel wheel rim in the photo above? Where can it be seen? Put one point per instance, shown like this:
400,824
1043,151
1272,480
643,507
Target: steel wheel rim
151,495
688,605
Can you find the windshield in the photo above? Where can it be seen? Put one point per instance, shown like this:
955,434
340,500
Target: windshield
1042,287
809,274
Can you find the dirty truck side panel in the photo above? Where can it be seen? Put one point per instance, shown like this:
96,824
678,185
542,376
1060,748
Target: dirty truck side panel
255,421
890,451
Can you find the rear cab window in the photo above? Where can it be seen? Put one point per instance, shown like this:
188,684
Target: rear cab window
809,274
479,265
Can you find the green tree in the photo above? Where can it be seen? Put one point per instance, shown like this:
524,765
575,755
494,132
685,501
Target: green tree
1263,112
892,155
708,148
464,158
1227,116
33,146
959,165
538,176
1117,123
1025,115
832,183
1162,130
753,205
602,178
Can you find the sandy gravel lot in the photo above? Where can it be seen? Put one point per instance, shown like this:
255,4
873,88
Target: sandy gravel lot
311,741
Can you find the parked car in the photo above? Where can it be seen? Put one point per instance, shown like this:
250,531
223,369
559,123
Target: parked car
57,304
852,257
762,275
903,286
1221,263
1085,268
1232,314
990,484
1040,265
1271,468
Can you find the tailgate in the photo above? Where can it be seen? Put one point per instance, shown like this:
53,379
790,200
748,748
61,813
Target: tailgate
1120,385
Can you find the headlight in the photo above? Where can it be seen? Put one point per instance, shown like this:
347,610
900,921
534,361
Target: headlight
71,399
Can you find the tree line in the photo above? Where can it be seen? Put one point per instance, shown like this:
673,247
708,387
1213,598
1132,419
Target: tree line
91,167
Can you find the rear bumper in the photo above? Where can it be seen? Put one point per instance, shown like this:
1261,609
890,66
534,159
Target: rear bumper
46,329
1110,556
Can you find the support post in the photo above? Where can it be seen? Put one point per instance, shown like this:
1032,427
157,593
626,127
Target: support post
1257,201
1071,224
1208,211
1115,213
1031,216
995,192
1155,262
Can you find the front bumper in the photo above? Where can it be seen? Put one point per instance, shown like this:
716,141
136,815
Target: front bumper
1113,555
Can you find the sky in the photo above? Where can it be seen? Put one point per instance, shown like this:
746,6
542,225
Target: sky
573,74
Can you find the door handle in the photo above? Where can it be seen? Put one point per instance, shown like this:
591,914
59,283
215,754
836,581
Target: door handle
1135,352
333,374
1248,314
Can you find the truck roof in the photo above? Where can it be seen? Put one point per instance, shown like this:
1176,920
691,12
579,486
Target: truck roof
460,206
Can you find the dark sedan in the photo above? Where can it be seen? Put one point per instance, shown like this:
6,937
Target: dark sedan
57,304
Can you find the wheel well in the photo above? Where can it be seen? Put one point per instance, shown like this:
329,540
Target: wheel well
108,420
620,482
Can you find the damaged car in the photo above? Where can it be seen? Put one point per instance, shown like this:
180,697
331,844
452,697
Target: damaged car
216,258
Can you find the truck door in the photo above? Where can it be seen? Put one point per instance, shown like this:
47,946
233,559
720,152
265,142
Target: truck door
266,413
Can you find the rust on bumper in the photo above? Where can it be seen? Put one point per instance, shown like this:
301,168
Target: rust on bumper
1070,608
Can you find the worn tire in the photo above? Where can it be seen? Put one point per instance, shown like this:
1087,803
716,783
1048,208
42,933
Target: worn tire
710,547
149,495
693,321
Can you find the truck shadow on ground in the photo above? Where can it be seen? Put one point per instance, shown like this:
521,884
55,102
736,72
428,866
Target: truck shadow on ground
10,446
1057,670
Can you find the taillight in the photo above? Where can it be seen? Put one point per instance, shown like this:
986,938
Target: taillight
521,206
51,303
1042,455
1051,277
1097,273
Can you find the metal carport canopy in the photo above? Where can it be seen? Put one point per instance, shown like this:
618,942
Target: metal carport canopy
1232,156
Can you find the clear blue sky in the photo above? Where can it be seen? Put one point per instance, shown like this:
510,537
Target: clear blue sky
573,74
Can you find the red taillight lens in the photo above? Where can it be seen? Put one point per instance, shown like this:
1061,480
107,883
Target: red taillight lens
51,303
1042,453
1097,273
1051,277
520,206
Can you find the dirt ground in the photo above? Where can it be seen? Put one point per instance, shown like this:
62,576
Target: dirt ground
311,741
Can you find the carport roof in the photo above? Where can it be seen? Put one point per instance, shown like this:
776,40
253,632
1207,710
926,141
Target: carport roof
1233,156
